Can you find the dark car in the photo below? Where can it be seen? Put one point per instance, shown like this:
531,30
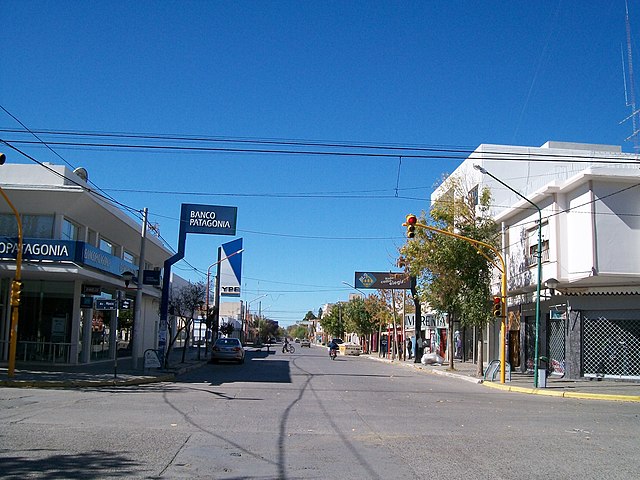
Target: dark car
227,349
337,341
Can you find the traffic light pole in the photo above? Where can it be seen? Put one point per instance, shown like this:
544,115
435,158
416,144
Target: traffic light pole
15,294
413,222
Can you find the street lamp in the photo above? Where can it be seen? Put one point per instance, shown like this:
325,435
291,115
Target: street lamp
539,259
209,288
246,313
357,290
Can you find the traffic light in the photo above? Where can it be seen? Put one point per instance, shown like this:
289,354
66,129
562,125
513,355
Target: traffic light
411,225
15,293
497,307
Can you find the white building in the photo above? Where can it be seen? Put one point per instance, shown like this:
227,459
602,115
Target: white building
76,246
589,202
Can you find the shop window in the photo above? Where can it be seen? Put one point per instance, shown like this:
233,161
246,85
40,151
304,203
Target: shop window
129,257
69,230
33,226
106,246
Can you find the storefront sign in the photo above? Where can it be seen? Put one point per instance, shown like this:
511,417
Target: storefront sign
39,249
151,277
96,258
428,320
383,280
91,289
86,302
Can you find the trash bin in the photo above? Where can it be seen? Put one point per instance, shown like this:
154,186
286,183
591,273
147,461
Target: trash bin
543,365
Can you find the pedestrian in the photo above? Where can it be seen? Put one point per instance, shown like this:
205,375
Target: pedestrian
419,347
409,348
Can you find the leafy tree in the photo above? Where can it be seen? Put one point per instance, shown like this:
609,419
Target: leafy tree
227,329
454,275
332,322
297,331
379,312
184,303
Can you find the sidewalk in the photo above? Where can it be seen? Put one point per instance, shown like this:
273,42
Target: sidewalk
613,390
98,374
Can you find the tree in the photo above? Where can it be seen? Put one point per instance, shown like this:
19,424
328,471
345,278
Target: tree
454,275
227,329
184,302
379,311
332,321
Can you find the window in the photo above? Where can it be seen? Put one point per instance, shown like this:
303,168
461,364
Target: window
532,245
106,246
129,257
69,230
473,195
33,226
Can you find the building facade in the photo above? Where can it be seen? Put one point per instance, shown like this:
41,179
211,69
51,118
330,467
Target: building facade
588,197
76,247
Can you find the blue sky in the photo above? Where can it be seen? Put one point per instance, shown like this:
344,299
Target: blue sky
426,73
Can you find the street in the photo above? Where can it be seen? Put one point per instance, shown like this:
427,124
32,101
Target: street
302,415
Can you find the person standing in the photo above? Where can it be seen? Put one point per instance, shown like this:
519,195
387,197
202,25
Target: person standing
419,347
409,348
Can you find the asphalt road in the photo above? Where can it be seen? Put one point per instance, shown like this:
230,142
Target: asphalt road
282,416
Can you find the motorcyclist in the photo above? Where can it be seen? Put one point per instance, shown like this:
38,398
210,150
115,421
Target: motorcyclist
333,347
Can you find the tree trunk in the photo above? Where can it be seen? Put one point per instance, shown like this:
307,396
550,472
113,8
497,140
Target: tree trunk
186,341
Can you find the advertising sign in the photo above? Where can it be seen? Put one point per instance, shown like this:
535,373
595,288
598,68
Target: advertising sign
151,277
383,280
208,219
231,269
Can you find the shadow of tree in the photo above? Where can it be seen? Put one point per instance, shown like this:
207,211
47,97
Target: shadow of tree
94,464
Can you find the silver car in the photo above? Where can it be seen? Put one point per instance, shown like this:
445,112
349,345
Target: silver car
227,349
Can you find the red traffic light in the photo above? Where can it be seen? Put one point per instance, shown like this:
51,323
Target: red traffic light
412,219
497,306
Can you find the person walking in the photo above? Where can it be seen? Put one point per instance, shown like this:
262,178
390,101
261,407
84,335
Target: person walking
419,347
409,348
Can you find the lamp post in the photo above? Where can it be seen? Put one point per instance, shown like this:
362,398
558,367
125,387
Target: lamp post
246,313
539,259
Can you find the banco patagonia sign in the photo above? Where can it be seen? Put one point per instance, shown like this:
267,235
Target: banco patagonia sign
209,219
39,249
382,280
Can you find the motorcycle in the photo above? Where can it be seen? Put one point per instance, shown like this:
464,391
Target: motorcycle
333,352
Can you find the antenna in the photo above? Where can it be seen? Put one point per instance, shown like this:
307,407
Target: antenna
630,99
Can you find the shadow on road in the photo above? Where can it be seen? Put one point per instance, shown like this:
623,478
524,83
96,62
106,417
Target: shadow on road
94,464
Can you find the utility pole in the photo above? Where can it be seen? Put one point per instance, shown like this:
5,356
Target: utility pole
137,312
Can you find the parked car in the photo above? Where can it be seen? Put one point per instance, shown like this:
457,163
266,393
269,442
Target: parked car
338,341
227,349
297,340
305,343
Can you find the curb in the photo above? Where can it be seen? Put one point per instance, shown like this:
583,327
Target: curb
563,394
509,388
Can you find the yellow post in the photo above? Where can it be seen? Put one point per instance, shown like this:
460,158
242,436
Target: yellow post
15,295
503,289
